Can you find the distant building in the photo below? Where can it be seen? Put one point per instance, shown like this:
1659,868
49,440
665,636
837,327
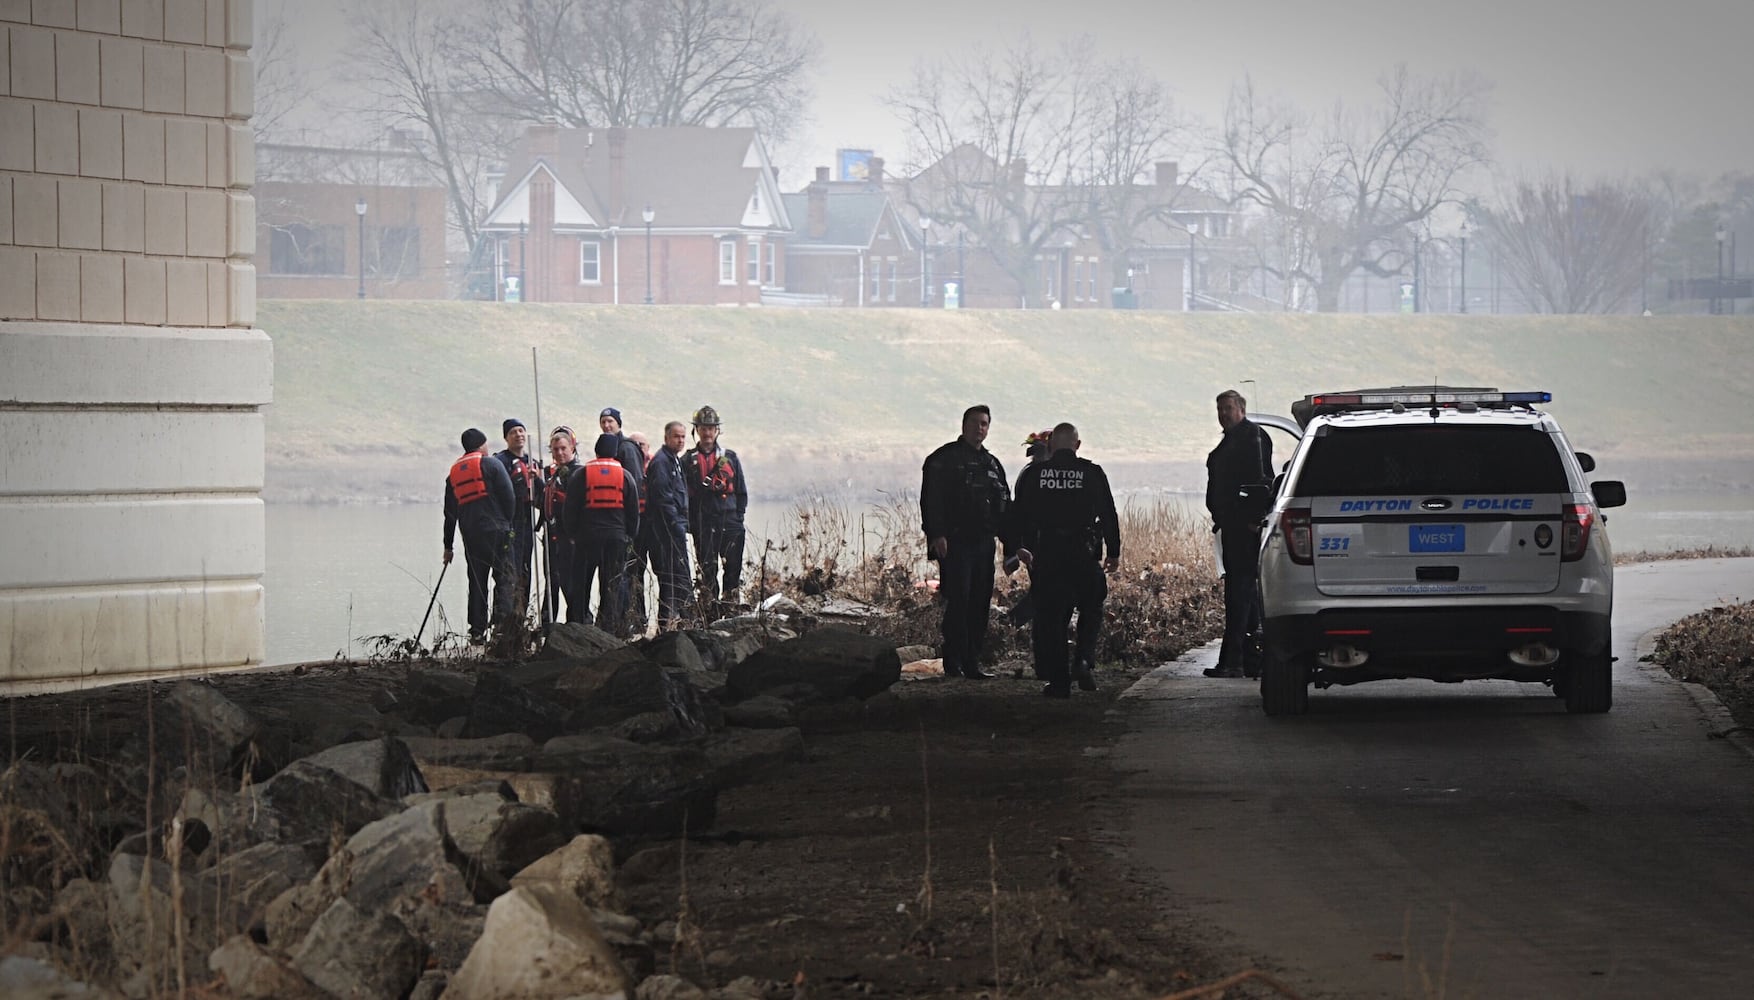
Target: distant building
312,240
568,223
851,247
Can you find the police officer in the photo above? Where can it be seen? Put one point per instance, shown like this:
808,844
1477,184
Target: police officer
963,501
478,497
1063,518
718,499
526,475
666,525
563,449
601,513
1239,473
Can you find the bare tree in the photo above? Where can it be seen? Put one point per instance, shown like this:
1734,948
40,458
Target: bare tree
641,62
1345,189
1572,249
403,69
281,78
1023,148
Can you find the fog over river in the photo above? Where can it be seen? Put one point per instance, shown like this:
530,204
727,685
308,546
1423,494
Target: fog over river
336,573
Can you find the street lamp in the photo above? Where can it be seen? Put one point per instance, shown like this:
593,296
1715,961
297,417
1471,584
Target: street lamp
359,210
1193,231
925,278
1717,290
1464,266
648,215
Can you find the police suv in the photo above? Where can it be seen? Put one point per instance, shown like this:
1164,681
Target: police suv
1436,532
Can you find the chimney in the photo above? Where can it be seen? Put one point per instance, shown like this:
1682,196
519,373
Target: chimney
816,207
1167,173
874,171
1019,172
617,173
544,141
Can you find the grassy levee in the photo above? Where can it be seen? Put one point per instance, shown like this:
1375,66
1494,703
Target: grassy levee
370,396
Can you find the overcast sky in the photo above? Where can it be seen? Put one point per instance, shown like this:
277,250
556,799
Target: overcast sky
1600,86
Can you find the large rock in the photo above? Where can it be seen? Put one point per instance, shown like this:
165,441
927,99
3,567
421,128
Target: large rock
252,973
501,836
254,877
309,803
357,953
614,686
384,765
500,705
23,978
738,756
674,651
668,988
152,908
505,752
764,711
632,788
836,662
584,867
540,943
577,640
217,736
430,696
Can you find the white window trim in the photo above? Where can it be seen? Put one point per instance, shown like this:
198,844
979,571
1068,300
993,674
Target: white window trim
727,275
894,278
770,274
598,280
752,262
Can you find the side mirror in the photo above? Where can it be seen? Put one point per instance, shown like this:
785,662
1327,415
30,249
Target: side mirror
1609,493
1587,461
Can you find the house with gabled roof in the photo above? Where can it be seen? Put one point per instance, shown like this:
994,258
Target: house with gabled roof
674,215
851,247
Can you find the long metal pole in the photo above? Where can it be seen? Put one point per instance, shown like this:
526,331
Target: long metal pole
435,592
1464,274
546,613
648,263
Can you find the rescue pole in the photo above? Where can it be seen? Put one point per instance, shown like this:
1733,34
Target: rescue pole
544,616
429,604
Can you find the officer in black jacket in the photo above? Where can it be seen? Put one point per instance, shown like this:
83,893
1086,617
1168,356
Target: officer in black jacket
601,513
1239,474
666,525
1062,519
478,496
963,502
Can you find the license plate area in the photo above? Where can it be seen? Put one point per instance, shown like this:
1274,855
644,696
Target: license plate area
1423,538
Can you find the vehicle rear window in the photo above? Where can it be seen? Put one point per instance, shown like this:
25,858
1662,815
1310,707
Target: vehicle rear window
1430,461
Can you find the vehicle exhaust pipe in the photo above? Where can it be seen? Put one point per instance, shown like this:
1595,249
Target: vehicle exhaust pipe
1535,654
1341,656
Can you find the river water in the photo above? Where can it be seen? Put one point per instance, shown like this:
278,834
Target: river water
339,573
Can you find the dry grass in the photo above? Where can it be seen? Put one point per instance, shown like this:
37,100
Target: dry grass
1715,648
1671,555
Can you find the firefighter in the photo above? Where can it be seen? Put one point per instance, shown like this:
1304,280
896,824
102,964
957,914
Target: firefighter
601,513
633,458
1063,518
718,499
479,498
525,471
666,525
563,449
963,500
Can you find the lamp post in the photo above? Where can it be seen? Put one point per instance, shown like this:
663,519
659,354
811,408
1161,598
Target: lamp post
1464,266
961,274
1716,302
648,215
523,266
925,278
359,210
1193,231
1418,277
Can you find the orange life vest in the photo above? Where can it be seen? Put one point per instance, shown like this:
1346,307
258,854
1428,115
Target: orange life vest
605,484
466,481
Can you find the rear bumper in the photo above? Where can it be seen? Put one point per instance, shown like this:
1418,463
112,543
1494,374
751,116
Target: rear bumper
1480,630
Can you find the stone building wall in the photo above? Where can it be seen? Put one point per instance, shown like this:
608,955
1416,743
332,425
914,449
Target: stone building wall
131,378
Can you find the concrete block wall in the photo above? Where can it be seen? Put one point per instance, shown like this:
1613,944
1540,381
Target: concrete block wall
131,379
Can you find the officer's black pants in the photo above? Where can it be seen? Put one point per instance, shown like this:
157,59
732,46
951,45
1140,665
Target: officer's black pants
716,544
670,564
1241,549
560,559
965,579
488,553
1058,587
600,555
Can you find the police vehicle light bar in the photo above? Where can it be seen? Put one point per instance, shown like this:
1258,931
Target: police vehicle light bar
1426,398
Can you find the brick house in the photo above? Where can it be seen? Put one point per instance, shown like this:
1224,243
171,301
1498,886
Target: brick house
568,222
314,242
852,248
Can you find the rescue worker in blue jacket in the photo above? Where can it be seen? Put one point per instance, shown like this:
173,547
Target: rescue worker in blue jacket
718,499
1063,517
563,450
666,525
479,498
525,471
601,513
963,500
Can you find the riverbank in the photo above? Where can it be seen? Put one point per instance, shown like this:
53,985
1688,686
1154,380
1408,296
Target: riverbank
1715,648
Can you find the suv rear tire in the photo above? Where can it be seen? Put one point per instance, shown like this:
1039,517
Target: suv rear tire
1285,683
1588,687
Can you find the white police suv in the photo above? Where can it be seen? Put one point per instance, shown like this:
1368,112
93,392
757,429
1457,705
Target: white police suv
1436,532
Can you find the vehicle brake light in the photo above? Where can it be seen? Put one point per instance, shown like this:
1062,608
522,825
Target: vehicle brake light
1574,534
1294,523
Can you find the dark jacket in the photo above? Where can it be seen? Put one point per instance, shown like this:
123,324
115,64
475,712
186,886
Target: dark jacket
584,524
667,493
527,486
1244,457
962,491
490,514
718,497
554,495
627,453
1065,510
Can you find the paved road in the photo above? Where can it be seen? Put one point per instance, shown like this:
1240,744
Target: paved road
1498,846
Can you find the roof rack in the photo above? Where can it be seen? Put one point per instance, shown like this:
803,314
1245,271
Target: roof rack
1409,397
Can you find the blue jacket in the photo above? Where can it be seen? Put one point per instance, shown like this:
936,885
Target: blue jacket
667,493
